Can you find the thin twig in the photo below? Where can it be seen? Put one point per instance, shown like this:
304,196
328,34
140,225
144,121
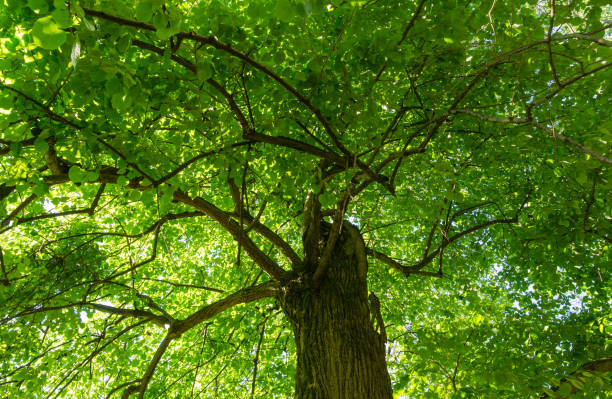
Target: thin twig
412,21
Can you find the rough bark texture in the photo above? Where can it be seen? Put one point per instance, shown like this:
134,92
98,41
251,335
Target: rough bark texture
340,353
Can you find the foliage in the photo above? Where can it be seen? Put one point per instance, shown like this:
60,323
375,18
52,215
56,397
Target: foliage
140,142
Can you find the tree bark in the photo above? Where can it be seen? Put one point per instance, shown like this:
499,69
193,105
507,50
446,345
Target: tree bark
581,375
338,334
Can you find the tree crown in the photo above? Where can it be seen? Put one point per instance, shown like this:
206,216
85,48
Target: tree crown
166,165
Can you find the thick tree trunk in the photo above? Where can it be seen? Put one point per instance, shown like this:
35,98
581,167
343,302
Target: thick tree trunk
340,353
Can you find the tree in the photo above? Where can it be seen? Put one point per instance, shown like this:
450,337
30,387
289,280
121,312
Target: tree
326,199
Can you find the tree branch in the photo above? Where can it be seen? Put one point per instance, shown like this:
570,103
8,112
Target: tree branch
335,230
195,286
194,159
16,211
121,386
225,220
161,349
428,258
549,35
550,132
249,294
78,126
89,210
256,360
405,270
214,42
253,224
5,280
255,253
161,321
602,366
412,21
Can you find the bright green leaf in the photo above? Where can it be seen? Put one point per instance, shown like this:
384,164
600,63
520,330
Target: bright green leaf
47,33
62,17
76,174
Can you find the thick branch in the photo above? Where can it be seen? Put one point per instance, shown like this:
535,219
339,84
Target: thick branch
5,279
273,238
249,294
78,126
225,220
336,229
16,211
405,270
602,366
161,349
428,258
138,313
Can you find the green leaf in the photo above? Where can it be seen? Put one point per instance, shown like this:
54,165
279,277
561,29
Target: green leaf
160,21
76,174
75,53
92,176
59,4
41,145
134,195
122,181
47,33
121,101
40,189
164,34
39,5
565,389
144,11
62,17
285,10
6,102
76,7
314,6
205,71
123,44
148,198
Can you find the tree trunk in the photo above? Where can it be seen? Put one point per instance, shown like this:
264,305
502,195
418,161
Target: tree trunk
340,353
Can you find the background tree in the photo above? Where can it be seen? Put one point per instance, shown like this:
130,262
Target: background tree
332,200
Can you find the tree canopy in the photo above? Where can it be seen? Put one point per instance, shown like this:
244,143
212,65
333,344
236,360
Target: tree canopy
159,160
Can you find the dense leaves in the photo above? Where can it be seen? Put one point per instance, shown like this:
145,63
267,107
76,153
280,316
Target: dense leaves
156,158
